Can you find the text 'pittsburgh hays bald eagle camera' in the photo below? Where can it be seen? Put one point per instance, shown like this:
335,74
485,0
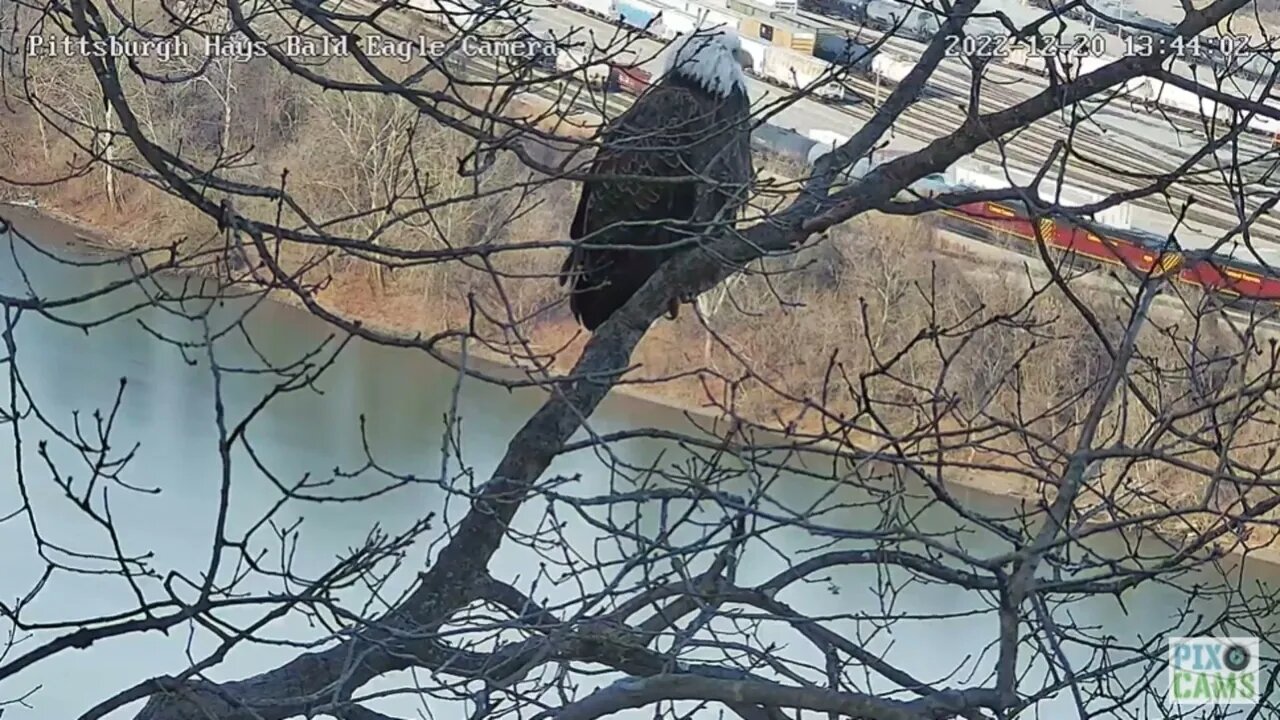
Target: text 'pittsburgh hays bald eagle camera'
675,164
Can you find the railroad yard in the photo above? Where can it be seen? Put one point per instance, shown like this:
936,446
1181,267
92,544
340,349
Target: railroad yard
1120,146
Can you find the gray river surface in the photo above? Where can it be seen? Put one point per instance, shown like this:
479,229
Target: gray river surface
168,410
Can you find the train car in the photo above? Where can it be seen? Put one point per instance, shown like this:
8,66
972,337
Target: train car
577,62
641,16
1068,65
756,50
1235,277
676,22
710,18
1184,102
1265,126
1085,64
688,8
795,71
852,10
1008,223
1036,59
840,49
631,80
1021,57
907,19
602,9
975,173
1138,88
1141,252
779,29
781,142
705,15
825,142
925,187
1253,66
891,67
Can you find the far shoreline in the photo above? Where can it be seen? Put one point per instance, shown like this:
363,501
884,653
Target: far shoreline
57,228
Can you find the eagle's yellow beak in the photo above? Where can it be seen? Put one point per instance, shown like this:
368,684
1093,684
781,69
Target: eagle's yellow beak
744,58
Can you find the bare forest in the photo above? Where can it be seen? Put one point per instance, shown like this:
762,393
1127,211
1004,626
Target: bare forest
839,333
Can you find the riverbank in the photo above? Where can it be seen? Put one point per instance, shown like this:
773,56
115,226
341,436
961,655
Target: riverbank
66,231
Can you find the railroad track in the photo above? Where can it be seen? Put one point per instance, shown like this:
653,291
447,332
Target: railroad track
1216,202
1029,150
554,91
1214,209
1026,152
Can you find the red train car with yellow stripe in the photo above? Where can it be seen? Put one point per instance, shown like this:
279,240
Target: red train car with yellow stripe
1007,222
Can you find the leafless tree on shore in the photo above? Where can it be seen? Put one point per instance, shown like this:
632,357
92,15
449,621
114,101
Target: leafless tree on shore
860,374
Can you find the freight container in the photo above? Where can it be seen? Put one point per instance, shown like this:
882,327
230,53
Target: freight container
890,67
688,7
639,15
714,18
676,23
781,29
599,8
777,34
757,51
793,70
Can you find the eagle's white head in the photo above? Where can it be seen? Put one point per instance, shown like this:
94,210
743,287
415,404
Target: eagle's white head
712,58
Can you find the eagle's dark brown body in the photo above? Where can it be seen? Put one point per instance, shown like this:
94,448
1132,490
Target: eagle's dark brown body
676,163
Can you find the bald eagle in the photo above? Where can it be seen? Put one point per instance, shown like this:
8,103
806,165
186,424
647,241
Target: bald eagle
675,163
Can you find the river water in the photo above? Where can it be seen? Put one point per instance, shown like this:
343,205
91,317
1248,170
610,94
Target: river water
168,411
